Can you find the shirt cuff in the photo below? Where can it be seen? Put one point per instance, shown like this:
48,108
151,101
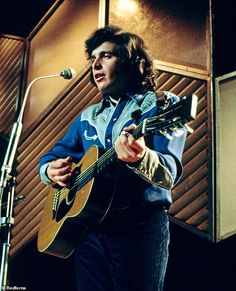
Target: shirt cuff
151,169
43,174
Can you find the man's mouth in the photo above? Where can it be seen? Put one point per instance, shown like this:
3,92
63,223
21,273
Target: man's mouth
98,77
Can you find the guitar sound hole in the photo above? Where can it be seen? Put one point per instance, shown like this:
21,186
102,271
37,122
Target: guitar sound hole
65,205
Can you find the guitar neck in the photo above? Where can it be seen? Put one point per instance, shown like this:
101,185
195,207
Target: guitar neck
110,155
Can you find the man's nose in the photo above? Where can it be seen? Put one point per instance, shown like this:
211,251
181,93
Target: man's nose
97,64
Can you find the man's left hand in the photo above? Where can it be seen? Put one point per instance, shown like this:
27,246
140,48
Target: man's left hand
129,149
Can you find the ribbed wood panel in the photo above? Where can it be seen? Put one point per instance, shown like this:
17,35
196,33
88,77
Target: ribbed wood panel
11,62
190,196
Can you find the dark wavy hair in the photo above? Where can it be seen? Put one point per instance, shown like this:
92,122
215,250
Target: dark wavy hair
132,54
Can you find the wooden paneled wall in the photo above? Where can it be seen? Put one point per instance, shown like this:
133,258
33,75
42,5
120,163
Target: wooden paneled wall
11,67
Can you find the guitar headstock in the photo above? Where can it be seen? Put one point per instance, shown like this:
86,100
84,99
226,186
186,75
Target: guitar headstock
172,118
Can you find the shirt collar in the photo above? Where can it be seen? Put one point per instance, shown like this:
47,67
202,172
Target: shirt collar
136,97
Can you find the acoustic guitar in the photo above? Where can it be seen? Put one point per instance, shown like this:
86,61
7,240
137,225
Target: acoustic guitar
69,212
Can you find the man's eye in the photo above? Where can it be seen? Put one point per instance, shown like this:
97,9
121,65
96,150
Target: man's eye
106,55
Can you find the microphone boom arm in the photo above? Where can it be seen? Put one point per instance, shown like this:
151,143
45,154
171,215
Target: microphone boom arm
20,117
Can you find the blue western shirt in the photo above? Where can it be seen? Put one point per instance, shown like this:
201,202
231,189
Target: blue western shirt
148,183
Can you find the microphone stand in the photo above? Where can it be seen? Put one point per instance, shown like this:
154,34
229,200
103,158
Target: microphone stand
8,183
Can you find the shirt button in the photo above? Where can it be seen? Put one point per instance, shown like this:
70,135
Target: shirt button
108,140
114,119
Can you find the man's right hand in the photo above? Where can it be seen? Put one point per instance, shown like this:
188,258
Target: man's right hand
60,171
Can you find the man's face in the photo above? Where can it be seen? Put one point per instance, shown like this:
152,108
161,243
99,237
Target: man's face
104,70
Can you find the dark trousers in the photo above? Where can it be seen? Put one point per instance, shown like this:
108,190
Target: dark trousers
126,252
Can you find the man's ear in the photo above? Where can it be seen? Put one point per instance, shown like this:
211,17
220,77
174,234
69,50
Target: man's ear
140,64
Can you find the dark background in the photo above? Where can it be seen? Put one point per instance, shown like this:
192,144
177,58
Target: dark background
195,264
19,17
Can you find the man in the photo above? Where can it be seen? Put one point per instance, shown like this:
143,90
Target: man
128,249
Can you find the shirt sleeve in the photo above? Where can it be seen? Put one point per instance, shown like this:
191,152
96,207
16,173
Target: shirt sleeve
43,174
162,163
152,170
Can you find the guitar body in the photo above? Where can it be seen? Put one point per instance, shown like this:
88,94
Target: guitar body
68,213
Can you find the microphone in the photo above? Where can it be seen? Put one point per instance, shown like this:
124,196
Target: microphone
68,73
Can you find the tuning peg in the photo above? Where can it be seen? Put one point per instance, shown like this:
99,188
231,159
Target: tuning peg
177,131
189,129
166,134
